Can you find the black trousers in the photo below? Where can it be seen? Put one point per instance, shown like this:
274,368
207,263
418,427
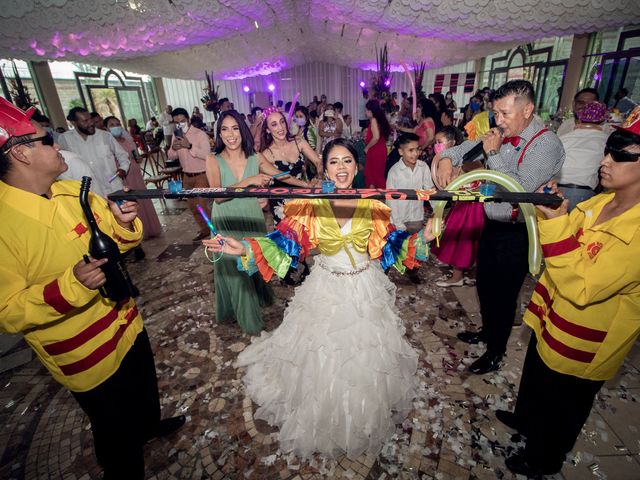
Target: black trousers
502,268
124,412
552,408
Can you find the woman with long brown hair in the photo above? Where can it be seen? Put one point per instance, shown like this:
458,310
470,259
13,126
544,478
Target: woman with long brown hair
375,148
286,153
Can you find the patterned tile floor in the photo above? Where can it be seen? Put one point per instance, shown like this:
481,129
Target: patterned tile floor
451,433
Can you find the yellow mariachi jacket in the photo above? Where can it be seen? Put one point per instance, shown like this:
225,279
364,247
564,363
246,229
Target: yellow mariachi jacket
78,335
586,307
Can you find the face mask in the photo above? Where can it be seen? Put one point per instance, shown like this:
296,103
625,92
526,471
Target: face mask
116,131
475,107
439,147
301,122
182,126
449,97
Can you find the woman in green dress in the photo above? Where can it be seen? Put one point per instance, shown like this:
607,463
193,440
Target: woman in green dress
235,164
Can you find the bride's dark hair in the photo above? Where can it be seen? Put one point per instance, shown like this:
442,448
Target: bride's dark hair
338,142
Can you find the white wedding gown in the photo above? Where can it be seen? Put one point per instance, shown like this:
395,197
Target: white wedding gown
337,374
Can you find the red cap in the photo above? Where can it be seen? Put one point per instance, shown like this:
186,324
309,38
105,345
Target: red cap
632,122
14,122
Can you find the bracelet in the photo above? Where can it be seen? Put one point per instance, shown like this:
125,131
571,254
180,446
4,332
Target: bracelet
213,259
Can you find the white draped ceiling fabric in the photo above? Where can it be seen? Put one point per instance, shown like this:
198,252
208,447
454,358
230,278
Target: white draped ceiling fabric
243,38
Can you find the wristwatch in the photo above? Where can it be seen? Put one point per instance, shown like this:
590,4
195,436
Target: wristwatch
491,153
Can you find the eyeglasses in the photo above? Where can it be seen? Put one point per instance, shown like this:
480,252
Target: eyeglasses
46,139
621,155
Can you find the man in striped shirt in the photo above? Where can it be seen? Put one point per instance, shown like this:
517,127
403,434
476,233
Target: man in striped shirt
524,149
584,311
95,347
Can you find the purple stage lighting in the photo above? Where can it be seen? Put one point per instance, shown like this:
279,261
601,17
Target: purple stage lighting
387,82
271,87
246,89
362,84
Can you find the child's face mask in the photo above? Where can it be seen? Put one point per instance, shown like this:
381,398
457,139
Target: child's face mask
439,147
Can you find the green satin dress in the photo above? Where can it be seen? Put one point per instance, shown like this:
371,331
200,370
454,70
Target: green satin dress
239,295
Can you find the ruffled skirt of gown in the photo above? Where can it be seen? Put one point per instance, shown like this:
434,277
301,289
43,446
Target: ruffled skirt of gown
337,374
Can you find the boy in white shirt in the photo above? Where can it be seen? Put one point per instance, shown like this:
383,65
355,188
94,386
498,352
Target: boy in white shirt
409,173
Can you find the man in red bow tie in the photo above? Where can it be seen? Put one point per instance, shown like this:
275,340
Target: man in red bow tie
523,148
515,141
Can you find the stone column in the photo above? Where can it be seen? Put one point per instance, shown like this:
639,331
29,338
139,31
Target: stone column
574,69
48,93
162,96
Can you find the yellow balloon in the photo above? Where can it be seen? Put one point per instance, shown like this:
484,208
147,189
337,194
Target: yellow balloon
528,210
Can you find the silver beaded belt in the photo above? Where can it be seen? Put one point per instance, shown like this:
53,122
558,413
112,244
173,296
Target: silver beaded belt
339,274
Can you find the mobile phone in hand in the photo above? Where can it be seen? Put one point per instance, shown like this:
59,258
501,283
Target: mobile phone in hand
178,133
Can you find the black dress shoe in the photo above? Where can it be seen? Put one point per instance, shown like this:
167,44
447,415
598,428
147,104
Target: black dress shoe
415,278
518,464
509,419
138,254
168,426
471,337
488,362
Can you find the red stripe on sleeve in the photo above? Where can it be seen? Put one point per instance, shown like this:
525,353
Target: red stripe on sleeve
537,310
555,344
578,331
559,248
64,346
53,297
544,293
566,350
102,351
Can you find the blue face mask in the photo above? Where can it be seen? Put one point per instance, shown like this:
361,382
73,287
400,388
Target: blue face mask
116,131
475,107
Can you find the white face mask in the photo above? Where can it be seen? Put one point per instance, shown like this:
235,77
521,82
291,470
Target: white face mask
301,122
183,126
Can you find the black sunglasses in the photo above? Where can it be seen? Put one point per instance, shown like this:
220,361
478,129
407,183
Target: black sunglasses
621,155
46,139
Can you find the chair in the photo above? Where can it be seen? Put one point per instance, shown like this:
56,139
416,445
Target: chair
157,180
153,156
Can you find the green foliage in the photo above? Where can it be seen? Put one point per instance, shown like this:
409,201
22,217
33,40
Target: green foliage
76,102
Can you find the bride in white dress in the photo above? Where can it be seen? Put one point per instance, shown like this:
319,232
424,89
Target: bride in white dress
337,375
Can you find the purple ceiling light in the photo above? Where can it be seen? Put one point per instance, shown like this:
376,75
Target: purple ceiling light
246,89
271,87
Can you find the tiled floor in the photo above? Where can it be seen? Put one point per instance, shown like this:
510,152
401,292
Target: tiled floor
451,433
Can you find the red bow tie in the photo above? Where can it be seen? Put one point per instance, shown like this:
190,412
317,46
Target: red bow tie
512,140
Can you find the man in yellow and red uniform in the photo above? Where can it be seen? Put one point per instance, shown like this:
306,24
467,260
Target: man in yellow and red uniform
585,311
95,347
